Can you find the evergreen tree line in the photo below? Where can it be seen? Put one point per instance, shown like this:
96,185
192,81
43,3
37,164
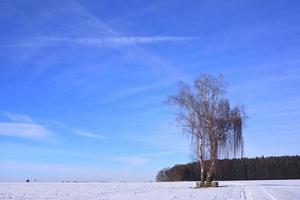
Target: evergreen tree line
260,168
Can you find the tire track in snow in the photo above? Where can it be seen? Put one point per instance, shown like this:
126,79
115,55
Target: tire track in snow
243,194
268,194
246,194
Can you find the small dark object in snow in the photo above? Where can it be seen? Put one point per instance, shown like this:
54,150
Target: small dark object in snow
207,184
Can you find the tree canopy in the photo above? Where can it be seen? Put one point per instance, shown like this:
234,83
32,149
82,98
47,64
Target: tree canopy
213,124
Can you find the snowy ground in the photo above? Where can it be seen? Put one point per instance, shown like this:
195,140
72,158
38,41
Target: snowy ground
272,190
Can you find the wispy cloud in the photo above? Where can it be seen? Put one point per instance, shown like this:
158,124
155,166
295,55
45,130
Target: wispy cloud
91,31
95,41
22,126
23,130
90,134
18,117
137,51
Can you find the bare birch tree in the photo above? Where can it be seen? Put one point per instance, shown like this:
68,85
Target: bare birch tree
215,127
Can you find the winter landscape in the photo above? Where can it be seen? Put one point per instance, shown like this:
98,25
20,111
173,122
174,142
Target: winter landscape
149,99
228,190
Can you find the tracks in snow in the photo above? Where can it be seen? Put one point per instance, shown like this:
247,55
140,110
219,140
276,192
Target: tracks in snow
246,194
268,194
243,194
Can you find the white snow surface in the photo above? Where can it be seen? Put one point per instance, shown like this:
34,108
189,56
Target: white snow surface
269,189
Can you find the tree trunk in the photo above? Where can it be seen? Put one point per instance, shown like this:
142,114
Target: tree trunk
213,160
201,171
211,170
200,157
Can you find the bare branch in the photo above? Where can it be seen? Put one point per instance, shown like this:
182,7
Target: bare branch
205,114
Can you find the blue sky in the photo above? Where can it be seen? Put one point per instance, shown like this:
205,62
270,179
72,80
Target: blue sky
83,83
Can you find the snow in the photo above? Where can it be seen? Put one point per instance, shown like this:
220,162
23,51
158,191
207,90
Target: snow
269,190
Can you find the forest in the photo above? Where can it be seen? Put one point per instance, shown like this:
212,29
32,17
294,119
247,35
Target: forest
260,168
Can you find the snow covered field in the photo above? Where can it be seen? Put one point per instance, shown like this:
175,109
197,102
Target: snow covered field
272,190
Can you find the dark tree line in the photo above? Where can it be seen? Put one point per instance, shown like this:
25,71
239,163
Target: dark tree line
263,168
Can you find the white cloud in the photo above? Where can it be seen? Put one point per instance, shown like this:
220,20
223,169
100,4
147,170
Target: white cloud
23,130
22,126
129,40
90,134
96,41
18,117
